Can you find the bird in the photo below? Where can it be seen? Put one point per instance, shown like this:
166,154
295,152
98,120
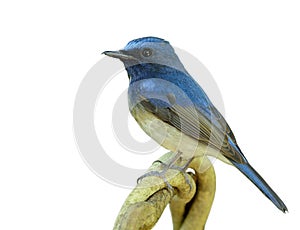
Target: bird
173,109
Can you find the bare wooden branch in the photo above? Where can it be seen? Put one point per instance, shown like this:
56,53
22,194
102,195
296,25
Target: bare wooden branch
190,203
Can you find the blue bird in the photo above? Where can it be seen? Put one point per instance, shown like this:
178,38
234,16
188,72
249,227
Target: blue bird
172,108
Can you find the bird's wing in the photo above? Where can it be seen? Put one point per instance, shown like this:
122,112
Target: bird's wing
195,124
221,120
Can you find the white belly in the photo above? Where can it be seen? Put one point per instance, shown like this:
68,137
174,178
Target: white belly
171,138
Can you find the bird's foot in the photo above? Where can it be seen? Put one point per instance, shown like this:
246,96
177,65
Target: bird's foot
166,167
161,174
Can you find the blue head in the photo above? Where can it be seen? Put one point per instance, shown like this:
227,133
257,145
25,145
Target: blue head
147,54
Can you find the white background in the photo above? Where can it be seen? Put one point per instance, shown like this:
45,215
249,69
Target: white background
251,48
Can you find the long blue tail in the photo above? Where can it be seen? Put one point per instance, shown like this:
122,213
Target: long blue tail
260,183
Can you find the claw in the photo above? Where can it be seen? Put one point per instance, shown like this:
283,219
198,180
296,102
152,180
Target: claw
159,161
166,167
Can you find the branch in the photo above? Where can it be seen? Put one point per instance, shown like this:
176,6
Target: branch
190,206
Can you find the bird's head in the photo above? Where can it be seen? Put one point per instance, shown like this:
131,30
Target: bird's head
147,50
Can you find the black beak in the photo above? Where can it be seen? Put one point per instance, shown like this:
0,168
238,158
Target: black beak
120,54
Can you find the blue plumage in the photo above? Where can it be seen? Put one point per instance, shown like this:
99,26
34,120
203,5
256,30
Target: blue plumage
136,42
260,183
161,89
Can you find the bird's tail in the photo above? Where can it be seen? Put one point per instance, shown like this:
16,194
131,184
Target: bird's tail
260,183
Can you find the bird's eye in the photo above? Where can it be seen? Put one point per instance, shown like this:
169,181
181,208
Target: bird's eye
147,52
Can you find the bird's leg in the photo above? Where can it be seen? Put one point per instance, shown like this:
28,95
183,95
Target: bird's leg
166,167
183,169
172,161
